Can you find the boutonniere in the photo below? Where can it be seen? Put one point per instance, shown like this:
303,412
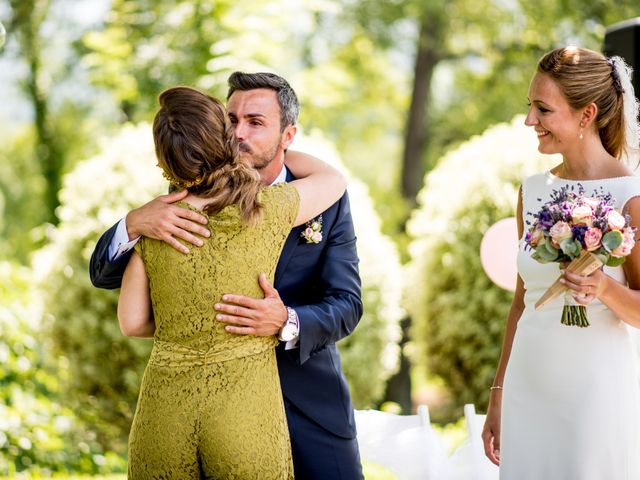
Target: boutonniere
313,232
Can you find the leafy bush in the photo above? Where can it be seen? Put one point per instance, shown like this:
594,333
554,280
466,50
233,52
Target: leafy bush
105,368
21,187
459,314
39,433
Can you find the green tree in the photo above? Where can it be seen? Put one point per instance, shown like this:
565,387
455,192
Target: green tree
147,46
348,88
61,122
485,52
27,19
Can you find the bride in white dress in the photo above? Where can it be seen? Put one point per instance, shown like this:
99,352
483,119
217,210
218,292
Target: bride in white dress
565,403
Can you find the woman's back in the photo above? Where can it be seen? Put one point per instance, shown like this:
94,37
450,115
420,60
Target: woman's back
185,288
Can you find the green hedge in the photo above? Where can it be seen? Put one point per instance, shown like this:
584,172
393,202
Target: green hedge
39,432
459,314
105,367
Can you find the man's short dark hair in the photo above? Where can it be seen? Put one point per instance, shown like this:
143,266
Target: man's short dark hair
287,99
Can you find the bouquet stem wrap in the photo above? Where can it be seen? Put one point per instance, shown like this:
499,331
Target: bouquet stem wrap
575,315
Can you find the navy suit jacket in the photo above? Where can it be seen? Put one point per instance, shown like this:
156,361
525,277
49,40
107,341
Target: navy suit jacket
321,282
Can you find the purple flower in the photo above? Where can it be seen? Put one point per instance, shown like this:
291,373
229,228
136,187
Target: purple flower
578,233
545,219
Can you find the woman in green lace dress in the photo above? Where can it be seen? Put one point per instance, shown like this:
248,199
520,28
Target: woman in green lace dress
210,404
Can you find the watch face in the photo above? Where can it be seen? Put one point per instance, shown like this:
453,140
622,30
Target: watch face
289,332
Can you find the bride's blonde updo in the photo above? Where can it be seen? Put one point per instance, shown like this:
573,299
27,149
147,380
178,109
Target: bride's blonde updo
196,149
585,77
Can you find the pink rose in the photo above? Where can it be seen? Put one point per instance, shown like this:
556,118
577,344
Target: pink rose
592,202
316,237
308,232
559,232
536,237
628,242
615,220
592,239
582,215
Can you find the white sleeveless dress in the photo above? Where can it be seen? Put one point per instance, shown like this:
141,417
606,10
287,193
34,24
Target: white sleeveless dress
571,400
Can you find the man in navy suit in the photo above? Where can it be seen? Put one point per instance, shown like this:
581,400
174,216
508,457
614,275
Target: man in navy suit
316,300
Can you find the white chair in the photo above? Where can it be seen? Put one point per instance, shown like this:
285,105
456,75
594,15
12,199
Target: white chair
406,445
469,461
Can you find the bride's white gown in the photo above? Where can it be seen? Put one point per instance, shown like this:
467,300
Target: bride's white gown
571,400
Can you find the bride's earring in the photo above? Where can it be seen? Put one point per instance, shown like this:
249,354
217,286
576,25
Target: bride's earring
581,136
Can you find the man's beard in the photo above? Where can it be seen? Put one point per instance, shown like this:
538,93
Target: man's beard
259,161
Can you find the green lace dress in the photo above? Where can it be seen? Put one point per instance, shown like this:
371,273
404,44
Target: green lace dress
210,404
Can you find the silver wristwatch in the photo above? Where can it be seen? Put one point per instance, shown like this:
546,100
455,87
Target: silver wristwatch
291,328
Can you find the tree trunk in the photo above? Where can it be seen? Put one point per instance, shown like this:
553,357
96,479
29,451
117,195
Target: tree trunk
399,385
27,19
46,149
427,56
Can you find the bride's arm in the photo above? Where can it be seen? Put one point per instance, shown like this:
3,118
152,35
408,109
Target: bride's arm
491,430
623,300
319,184
134,304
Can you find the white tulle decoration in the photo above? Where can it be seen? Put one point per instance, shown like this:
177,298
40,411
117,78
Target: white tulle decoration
631,153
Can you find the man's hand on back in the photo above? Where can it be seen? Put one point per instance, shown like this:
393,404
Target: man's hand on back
161,220
253,316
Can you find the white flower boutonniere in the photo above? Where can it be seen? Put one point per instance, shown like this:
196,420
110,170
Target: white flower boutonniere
313,232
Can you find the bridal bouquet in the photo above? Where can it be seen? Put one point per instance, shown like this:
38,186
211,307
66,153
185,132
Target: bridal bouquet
586,231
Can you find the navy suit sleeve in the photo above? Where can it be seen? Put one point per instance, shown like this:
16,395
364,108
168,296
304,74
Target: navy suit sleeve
338,312
103,273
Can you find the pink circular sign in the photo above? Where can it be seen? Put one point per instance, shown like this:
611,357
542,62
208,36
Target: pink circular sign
498,253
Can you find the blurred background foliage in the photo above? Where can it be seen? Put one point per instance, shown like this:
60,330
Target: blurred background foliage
404,94
458,312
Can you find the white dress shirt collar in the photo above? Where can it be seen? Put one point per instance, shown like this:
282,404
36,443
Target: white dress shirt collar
282,176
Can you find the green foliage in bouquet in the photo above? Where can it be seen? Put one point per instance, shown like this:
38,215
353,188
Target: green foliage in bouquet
459,314
40,433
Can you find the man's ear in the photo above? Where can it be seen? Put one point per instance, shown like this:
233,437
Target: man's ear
589,114
288,135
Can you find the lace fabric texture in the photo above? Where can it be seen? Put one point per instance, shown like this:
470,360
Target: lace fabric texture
210,404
